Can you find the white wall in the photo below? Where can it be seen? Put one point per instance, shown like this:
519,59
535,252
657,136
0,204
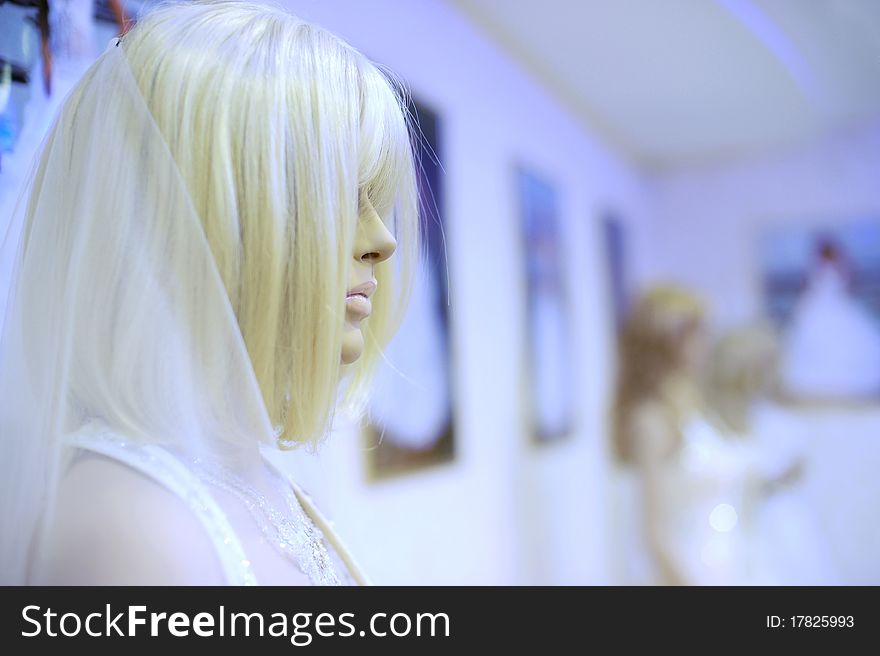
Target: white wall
503,511
707,223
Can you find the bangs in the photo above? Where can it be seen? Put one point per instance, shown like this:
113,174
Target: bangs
385,165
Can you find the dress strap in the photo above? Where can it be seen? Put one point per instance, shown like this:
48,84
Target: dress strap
164,468
326,527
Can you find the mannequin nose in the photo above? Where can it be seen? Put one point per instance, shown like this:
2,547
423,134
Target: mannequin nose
375,243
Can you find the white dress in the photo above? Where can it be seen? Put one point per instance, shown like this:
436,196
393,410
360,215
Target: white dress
793,539
704,496
832,349
169,471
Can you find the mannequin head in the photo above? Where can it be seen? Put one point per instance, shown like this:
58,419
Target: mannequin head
662,340
664,334
213,189
297,155
743,370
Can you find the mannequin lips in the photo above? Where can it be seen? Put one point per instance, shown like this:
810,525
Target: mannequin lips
359,305
357,302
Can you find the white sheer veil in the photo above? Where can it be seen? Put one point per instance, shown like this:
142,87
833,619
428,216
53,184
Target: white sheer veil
116,312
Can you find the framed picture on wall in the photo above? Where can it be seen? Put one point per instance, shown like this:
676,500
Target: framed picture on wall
411,407
548,359
614,245
822,287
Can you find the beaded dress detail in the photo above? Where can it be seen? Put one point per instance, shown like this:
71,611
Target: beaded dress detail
291,531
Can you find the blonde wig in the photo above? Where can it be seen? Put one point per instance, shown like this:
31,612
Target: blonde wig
743,368
282,131
651,350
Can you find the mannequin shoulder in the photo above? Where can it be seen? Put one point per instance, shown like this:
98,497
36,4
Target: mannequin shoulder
115,526
654,431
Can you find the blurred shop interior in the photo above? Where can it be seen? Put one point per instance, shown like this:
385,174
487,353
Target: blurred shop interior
645,342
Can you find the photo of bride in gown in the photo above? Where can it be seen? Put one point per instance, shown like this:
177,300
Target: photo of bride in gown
826,292
203,274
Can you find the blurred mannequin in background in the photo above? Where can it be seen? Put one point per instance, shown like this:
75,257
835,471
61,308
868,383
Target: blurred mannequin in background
697,488
743,369
743,381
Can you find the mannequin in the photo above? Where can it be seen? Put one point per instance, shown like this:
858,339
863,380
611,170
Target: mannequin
697,489
744,385
204,273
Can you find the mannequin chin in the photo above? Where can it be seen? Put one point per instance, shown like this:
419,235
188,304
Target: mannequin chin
352,342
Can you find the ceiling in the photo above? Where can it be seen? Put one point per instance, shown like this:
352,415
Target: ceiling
676,83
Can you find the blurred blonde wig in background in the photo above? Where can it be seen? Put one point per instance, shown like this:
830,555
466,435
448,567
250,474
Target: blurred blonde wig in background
652,349
743,369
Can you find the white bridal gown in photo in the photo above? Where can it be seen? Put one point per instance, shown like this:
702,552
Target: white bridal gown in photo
832,349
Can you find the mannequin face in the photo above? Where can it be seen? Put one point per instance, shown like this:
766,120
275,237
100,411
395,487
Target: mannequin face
373,244
694,352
